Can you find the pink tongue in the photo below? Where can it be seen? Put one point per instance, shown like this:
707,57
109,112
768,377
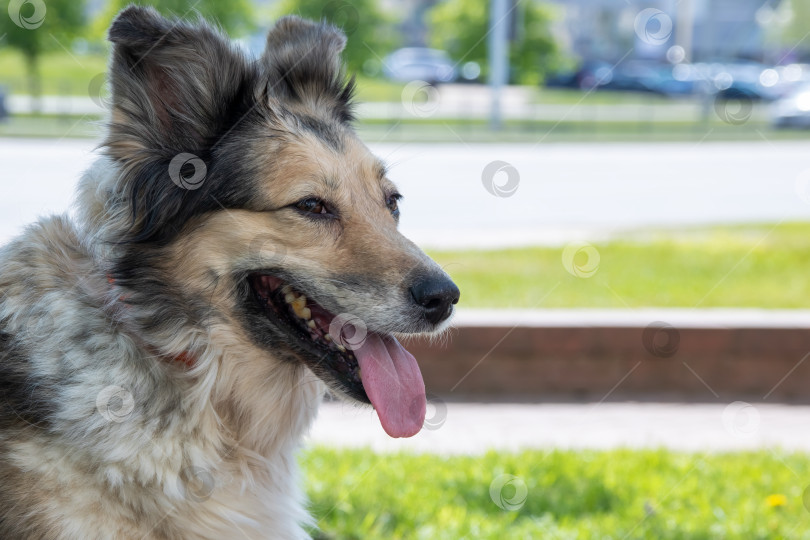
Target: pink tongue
394,384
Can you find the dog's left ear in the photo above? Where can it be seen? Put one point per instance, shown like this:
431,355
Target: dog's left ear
303,65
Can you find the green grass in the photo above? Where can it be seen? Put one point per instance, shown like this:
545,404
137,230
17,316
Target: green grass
745,266
62,73
469,131
585,495
571,131
70,74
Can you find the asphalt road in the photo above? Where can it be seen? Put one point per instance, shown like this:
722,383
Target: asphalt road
563,192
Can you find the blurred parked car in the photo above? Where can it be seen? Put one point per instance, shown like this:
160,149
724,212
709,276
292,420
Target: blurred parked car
3,109
726,80
793,110
630,76
419,64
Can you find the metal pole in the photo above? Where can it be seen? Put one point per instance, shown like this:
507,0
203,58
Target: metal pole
498,57
685,27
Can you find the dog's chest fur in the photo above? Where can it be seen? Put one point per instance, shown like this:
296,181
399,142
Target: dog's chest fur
203,453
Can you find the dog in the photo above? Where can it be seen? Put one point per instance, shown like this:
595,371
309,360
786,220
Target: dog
232,256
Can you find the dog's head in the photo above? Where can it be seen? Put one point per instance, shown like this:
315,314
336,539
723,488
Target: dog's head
249,199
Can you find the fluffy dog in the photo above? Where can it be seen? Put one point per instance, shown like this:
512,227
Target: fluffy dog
234,253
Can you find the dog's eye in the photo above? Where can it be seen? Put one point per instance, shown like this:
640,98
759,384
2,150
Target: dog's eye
313,205
392,202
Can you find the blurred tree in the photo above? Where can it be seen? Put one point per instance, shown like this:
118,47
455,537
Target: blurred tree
234,16
33,27
371,34
460,28
796,17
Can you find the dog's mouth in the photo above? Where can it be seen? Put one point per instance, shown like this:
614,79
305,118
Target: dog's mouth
350,358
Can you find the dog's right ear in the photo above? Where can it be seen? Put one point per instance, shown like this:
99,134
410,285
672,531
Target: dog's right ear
174,85
177,89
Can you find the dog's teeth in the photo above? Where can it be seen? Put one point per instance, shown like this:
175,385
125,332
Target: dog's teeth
359,374
289,297
299,307
311,324
285,290
341,348
327,337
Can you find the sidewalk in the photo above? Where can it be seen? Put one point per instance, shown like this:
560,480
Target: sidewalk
450,102
474,428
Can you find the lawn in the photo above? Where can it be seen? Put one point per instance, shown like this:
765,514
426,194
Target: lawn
763,266
70,74
616,494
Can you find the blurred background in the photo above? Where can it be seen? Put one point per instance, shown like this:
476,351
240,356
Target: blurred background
621,189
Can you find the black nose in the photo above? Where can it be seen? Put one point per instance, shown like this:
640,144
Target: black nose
436,295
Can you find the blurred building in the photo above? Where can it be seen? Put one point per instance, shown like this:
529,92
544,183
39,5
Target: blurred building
706,29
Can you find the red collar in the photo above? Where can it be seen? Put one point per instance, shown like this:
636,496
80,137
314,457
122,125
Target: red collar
185,357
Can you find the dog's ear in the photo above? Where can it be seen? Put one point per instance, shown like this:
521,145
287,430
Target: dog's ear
302,59
177,89
174,85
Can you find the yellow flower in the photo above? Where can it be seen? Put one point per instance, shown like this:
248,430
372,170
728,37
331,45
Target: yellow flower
777,499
